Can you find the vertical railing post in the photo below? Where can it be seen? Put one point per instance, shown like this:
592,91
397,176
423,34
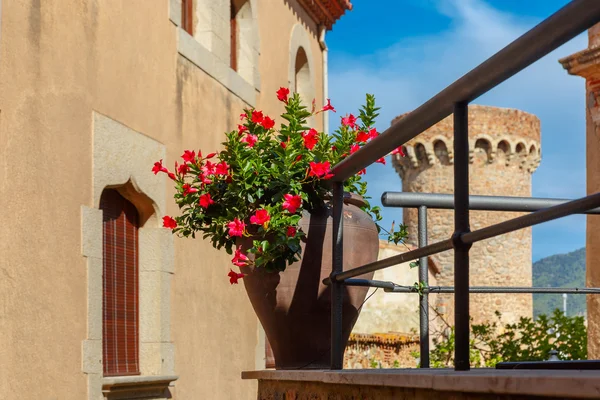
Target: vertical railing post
424,297
461,226
337,289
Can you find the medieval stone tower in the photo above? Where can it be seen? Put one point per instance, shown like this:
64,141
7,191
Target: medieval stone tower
504,151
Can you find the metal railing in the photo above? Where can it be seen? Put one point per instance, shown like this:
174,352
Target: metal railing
573,19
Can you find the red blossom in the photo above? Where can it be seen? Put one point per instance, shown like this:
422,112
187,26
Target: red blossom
187,189
373,133
320,169
169,222
234,276
211,155
292,202
243,116
257,117
354,148
209,168
349,121
182,169
299,157
283,145
328,106
381,161
310,138
221,168
239,259
242,129
236,228
282,94
291,231
362,171
171,175
267,123
250,140
400,151
204,179
189,156
158,167
362,137
260,217
205,200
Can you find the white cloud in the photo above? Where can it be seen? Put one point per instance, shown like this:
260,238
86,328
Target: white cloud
414,69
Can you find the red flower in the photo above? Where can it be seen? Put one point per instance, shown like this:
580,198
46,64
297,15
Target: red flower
373,133
282,94
158,167
169,222
328,106
236,228
349,121
209,168
221,168
291,231
299,157
260,217
400,151
362,171
362,137
187,189
234,276
257,117
241,129
183,169
354,148
171,175
211,155
381,161
243,116
250,140
320,170
310,138
283,145
292,202
239,259
267,123
203,179
205,200
189,156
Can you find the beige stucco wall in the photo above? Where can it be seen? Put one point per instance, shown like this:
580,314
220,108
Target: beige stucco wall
61,61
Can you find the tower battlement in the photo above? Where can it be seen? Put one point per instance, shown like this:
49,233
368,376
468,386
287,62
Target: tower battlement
496,135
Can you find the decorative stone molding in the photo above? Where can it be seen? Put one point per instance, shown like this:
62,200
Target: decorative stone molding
326,12
121,157
137,387
582,62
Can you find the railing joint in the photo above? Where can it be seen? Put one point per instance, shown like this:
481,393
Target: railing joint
458,243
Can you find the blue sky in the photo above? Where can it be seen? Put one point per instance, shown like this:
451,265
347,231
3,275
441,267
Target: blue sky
406,51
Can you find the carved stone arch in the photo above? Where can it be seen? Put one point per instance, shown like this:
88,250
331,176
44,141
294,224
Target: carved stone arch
503,150
521,153
412,156
441,150
424,153
482,149
300,45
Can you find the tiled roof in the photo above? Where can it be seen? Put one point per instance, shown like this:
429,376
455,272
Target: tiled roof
326,12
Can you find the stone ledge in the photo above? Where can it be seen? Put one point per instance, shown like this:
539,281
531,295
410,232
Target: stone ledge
133,387
191,49
562,384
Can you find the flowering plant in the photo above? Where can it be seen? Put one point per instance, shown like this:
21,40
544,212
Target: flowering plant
263,179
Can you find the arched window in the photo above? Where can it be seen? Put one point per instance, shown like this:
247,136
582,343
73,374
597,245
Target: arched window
120,310
243,48
303,83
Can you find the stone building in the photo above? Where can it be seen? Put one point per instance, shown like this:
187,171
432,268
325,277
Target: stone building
92,94
504,151
586,64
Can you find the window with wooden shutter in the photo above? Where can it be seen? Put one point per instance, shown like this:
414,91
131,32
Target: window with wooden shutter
187,16
120,311
234,36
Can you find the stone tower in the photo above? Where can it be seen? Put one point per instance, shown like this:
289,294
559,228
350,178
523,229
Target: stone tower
504,151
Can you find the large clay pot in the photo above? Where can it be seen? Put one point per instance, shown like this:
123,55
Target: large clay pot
294,307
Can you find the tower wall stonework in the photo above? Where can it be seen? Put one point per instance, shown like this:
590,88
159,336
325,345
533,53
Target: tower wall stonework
504,149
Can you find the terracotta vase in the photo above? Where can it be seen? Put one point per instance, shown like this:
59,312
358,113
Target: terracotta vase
294,307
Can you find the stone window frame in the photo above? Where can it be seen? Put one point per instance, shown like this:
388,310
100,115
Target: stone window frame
210,51
300,39
122,158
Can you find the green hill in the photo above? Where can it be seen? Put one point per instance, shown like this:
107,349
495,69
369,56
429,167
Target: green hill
560,270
